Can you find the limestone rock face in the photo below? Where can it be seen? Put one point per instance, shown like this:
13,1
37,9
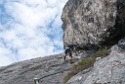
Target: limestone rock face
24,72
109,70
93,22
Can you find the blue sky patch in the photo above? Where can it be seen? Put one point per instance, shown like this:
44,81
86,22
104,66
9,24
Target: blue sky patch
30,29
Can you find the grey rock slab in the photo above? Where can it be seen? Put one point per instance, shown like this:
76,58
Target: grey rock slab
24,72
109,70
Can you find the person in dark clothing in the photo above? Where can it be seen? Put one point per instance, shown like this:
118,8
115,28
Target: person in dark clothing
68,52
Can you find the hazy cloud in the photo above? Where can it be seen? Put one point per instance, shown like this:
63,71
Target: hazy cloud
29,29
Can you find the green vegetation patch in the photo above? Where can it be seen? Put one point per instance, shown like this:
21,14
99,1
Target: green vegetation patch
102,53
86,63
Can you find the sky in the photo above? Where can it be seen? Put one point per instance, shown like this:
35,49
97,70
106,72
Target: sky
30,29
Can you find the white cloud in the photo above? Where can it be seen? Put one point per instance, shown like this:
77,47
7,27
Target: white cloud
6,56
29,29
5,61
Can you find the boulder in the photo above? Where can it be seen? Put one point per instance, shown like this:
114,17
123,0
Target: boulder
89,23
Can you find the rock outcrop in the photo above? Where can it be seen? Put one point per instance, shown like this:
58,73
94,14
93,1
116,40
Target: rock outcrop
88,23
93,22
109,70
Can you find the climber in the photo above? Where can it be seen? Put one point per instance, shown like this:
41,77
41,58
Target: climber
68,53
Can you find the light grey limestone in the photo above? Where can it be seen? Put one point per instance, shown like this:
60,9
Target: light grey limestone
24,72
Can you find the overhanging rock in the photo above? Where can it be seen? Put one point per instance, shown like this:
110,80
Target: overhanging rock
93,22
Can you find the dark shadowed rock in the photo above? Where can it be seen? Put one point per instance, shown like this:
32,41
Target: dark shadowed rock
121,43
93,22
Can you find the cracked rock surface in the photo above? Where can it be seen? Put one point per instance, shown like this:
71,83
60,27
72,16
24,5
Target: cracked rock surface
109,70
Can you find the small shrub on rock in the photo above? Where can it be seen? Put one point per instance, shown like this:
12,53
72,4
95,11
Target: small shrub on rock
86,63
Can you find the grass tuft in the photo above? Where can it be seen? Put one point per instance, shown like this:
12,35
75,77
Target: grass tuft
86,63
